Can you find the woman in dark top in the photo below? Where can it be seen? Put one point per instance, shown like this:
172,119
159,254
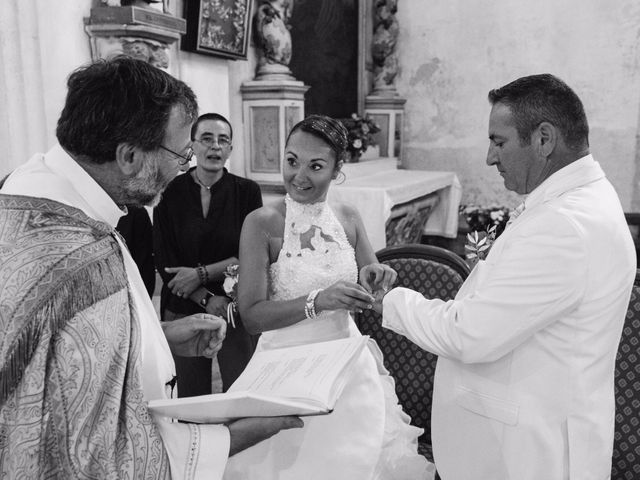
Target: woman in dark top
196,235
135,228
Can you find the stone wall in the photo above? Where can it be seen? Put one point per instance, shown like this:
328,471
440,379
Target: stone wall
452,53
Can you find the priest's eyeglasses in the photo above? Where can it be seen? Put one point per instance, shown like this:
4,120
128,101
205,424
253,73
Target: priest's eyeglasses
185,159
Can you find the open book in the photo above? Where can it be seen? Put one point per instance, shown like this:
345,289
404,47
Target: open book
301,380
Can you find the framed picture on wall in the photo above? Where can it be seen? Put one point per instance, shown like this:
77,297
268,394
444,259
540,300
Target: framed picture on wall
217,27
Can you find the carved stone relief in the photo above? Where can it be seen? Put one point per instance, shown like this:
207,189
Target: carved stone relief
385,37
134,29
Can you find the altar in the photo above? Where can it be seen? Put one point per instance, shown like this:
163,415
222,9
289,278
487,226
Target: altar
399,206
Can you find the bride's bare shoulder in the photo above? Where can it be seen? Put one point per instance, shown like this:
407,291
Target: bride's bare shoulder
267,217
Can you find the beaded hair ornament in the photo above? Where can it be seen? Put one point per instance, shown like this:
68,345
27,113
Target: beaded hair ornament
329,129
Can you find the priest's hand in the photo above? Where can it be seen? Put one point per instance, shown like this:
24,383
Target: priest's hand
246,432
198,335
184,282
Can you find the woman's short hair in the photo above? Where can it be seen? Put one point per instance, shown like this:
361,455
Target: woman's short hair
120,100
210,116
328,129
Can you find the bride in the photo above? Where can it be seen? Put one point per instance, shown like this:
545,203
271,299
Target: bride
298,285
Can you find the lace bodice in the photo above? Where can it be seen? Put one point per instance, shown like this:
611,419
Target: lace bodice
315,252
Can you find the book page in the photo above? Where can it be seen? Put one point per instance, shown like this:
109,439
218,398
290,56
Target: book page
305,371
222,407
301,380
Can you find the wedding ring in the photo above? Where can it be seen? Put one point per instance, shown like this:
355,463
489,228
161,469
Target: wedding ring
179,294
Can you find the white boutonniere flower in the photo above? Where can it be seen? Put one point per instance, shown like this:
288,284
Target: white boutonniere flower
478,245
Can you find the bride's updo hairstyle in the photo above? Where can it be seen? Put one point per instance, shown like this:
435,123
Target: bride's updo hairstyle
328,129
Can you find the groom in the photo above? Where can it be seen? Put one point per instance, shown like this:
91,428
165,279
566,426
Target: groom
524,381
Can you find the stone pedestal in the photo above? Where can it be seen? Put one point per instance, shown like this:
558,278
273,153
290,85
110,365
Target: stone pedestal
270,109
388,113
138,32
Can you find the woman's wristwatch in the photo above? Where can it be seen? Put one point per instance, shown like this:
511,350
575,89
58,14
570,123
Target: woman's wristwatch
204,300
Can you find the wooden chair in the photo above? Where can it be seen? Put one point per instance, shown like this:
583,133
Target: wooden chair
436,273
626,443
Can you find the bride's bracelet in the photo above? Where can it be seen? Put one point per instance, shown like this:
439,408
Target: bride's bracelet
310,305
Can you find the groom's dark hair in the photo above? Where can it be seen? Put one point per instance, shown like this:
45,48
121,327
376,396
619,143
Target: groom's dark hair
544,98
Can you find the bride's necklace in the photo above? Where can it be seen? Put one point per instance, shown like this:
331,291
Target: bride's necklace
200,182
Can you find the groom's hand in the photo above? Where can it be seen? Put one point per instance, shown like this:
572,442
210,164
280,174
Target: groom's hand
377,278
377,305
246,432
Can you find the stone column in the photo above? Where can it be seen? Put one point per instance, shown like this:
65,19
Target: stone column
270,109
274,101
383,104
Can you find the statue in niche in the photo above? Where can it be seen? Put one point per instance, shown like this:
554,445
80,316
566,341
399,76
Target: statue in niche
385,37
273,39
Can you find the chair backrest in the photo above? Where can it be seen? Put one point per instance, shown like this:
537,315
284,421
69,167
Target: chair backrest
626,443
436,273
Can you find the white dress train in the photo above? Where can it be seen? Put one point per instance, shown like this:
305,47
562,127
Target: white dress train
367,436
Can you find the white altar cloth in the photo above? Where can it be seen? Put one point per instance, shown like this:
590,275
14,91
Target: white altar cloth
374,187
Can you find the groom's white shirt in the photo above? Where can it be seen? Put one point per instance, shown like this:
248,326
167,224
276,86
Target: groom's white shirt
524,380
195,452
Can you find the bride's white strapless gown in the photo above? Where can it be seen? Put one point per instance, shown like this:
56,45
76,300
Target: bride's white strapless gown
367,436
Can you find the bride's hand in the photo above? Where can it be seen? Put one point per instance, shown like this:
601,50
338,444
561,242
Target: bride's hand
344,295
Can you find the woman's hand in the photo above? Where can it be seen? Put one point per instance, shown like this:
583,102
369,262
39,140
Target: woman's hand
217,305
344,295
198,335
184,282
377,278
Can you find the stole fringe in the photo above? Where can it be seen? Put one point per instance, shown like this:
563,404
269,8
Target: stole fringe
88,284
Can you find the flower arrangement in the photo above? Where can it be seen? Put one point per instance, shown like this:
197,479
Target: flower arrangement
481,219
230,287
360,131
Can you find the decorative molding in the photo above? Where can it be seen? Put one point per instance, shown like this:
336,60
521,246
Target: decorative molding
273,90
138,32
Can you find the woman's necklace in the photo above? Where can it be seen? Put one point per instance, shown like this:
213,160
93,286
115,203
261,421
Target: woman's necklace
202,184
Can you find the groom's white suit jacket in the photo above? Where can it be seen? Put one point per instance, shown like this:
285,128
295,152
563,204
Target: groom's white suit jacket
524,381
